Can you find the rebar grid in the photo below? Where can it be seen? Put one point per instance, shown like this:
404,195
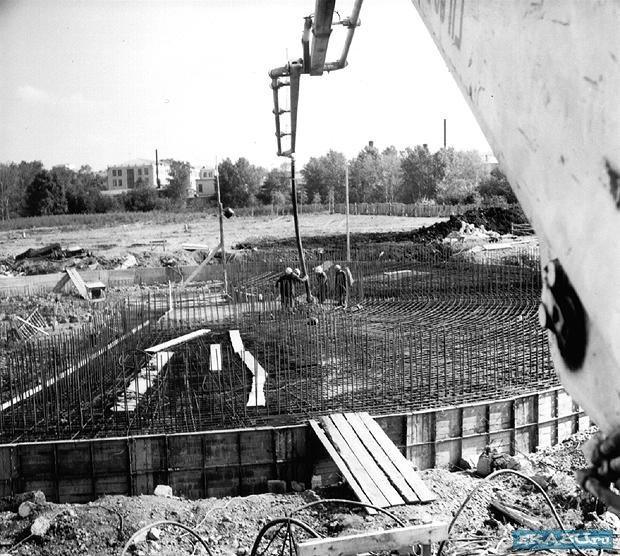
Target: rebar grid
448,331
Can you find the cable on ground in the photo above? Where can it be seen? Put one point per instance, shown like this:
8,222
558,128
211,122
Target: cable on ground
489,478
165,522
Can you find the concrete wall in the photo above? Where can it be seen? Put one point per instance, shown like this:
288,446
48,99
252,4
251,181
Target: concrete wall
241,461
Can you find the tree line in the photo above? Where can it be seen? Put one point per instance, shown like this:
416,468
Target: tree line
414,175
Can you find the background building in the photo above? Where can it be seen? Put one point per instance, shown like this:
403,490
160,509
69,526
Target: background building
134,174
205,182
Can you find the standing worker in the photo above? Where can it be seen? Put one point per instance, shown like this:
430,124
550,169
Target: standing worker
341,286
321,284
286,284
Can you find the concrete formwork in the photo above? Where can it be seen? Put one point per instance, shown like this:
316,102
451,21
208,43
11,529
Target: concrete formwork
241,461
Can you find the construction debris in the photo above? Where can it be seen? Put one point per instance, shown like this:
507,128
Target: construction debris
163,490
12,503
128,262
515,515
491,460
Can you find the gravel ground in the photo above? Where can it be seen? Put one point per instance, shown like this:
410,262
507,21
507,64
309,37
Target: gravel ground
230,525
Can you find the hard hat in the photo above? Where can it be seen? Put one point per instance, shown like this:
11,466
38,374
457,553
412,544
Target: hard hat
337,267
297,271
318,269
288,270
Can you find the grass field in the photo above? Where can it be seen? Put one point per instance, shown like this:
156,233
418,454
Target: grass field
115,235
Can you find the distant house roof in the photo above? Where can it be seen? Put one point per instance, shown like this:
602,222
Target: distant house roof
134,162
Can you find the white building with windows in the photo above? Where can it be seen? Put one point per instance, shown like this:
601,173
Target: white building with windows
205,182
134,174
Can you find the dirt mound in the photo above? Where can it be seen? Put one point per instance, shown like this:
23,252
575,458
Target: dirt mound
494,219
230,525
423,234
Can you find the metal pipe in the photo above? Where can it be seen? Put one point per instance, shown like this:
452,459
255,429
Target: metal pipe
221,218
346,194
305,43
353,23
302,260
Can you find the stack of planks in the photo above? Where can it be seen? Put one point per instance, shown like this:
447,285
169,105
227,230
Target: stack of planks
373,466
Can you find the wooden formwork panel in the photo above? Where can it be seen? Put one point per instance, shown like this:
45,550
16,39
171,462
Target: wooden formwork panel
525,411
36,460
8,470
74,459
395,427
502,441
226,463
501,416
291,452
421,439
221,449
439,438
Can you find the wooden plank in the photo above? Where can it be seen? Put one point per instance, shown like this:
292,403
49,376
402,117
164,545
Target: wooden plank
137,388
402,464
399,540
366,459
215,358
180,340
256,397
26,323
204,263
235,340
78,282
69,370
342,466
357,468
375,449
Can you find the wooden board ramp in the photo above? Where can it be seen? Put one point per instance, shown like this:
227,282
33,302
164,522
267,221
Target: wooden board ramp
178,340
91,291
373,466
136,389
235,340
78,282
256,397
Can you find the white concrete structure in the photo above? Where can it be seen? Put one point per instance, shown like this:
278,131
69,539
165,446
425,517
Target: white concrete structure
205,182
134,174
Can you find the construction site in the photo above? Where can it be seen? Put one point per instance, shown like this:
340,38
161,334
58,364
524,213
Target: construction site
208,385
438,330
438,385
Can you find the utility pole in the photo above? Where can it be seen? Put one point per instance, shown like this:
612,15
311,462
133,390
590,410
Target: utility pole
221,217
445,132
156,169
302,259
346,205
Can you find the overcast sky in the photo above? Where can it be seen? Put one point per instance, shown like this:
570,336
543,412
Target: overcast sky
99,82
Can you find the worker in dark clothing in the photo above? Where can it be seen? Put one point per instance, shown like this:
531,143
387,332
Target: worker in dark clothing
341,286
286,284
321,284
